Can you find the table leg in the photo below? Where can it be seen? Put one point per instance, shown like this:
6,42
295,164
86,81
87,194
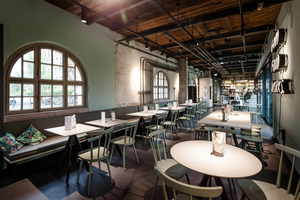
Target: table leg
64,154
69,160
218,181
77,149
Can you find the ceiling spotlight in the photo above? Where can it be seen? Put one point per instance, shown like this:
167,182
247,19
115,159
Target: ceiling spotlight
146,45
260,5
83,16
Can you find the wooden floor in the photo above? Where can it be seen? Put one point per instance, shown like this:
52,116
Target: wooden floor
37,181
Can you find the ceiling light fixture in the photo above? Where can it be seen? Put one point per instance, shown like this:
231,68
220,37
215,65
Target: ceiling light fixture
260,5
83,15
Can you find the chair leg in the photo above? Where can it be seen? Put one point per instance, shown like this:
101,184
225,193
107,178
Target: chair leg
230,188
187,178
243,196
123,158
260,153
99,167
81,163
171,131
112,152
90,176
155,184
109,170
146,137
137,159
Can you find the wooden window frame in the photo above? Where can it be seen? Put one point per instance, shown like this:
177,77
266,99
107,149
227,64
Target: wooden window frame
163,87
37,81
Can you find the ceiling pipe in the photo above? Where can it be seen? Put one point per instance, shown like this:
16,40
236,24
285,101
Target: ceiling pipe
133,32
204,52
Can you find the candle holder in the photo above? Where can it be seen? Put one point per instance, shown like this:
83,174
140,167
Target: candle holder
218,143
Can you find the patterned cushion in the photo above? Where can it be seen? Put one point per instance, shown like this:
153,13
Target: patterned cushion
9,143
151,107
31,136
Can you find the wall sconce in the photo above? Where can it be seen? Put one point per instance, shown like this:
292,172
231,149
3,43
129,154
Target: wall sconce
278,40
83,15
218,143
279,62
281,86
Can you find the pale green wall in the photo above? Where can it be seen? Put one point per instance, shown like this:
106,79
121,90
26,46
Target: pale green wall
29,21
288,117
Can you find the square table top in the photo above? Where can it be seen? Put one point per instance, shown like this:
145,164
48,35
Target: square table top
173,108
108,122
150,113
189,104
80,128
237,120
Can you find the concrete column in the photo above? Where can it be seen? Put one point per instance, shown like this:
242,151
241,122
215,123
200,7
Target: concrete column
183,82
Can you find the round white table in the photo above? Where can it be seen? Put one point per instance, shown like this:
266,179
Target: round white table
236,163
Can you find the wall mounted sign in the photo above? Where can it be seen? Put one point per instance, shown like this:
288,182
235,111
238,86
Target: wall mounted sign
281,61
281,86
278,40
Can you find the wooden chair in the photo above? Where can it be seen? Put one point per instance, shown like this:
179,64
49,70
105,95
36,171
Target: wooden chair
255,189
187,191
200,111
160,119
126,140
172,124
97,153
188,117
167,165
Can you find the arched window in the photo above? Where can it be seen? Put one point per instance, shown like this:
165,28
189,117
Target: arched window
43,77
161,87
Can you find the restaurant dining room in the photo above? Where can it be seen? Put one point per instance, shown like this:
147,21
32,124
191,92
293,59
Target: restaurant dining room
149,99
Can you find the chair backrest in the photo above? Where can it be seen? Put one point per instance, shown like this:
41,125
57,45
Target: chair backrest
130,131
188,189
174,116
158,145
107,133
189,110
295,154
160,119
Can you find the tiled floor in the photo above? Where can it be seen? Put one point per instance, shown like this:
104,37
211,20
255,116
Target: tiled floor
37,180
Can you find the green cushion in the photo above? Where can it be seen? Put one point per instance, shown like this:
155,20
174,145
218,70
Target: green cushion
151,107
8,143
31,136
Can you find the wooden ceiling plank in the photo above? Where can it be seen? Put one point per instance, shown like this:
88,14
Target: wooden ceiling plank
208,17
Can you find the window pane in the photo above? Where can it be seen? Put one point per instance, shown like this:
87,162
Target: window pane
57,90
28,90
46,90
16,69
46,102
165,83
15,103
29,56
57,73
46,71
160,75
78,90
161,83
28,103
155,96
78,75
71,75
165,93
46,56
70,100
70,63
57,102
14,89
71,90
57,58
78,100
161,90
28,70
160,96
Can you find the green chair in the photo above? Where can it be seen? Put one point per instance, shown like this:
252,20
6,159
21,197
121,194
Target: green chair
200,111
201,133
255,189
97,153
253,144
167,165
188,117
172,124
160,119
186,191
126,140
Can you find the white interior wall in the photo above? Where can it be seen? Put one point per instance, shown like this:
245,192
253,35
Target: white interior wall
204,86
127,73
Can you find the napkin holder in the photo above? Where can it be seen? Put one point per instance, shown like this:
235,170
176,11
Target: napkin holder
145,109
156,107
224,114
186,102
175,104
103,117
218,143
113,115
170,105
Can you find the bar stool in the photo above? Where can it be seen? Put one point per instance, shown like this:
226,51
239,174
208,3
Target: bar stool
201,133
257,142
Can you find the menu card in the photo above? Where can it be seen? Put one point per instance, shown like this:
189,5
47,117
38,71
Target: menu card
175,104
145,109
186,102
103,117
156,107
68,122
170,105
190,100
